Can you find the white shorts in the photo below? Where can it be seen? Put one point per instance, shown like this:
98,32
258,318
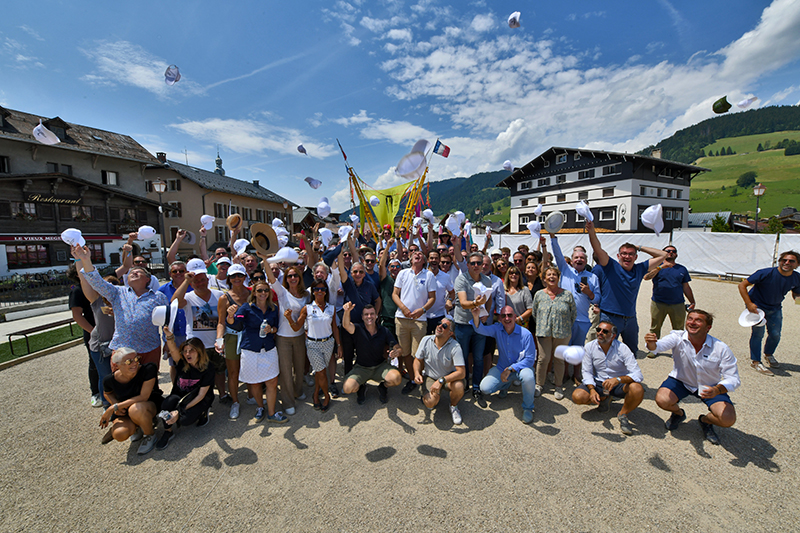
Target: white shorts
256,367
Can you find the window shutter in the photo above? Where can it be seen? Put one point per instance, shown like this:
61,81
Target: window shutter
114,214
65,212
5,209
46,211
142,215
180,211
178,184
99,213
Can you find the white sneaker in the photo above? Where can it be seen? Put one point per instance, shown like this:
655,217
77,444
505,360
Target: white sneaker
538,391
456,414
559,393
289,410
147,445
251,401
234,414
96,401
137,436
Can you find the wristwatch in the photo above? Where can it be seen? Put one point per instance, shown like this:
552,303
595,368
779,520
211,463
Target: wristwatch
442,381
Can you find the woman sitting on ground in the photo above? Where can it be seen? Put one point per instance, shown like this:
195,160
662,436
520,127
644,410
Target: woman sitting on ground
132,390
192,393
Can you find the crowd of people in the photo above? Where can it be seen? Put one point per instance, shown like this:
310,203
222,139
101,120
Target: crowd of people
430,311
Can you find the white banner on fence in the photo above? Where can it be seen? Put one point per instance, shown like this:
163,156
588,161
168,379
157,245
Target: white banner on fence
700,252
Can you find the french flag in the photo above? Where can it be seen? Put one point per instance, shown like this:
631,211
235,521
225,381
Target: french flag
441,149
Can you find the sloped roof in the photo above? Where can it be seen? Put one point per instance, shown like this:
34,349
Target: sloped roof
703,220
214,182
537,162
19,126
114,191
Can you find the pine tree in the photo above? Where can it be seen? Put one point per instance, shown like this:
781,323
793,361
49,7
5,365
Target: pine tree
760,148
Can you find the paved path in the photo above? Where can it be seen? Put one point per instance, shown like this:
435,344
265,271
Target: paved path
32,322
394,468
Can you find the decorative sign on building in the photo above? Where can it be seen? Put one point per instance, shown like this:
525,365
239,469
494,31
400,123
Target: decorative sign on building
53,199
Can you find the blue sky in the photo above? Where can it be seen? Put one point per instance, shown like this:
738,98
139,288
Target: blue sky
259,77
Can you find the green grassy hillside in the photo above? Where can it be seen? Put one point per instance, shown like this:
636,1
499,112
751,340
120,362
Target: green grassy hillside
749,143
777,172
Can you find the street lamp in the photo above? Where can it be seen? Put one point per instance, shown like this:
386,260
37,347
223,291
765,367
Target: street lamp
478,216
160,187
758,190
285,216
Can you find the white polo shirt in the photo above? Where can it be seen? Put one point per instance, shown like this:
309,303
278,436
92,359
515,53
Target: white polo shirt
414,289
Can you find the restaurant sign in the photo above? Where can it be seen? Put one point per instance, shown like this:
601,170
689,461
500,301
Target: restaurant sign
53,199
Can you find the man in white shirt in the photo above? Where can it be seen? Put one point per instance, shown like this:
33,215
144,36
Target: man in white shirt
699,360
414,294
610,369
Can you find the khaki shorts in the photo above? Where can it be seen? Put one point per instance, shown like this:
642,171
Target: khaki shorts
409,333
426,385
231,342
362,374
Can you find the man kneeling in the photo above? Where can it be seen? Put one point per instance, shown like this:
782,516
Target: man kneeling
439,363
375,347
699,361
610,369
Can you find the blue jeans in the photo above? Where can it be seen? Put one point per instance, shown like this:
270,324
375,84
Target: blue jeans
628,329
774,323
103,365
579,331
472,342
492,383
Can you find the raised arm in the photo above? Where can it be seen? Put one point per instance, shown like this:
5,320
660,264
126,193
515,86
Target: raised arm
545,253
599,254
346,324
127,257
422,244
204,246
173,249
384,259
658,256
557,253
180,294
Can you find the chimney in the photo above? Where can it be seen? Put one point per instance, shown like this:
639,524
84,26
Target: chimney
255,182
161,156
656,153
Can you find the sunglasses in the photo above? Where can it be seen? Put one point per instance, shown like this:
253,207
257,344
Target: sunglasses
319,289
672,252
238,276
220,254
128,362
176,272
475,263
369,261
290,276
261,291
787,261
601,330
140,262
257,278
444,326
507,315
445,262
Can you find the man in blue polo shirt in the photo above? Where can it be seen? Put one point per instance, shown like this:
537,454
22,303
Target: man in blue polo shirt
619,284
770,286
670,284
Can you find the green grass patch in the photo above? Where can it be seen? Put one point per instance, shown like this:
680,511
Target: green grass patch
749,143
777,172
501,211
39,341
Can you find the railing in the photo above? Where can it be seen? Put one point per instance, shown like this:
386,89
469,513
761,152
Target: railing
24,288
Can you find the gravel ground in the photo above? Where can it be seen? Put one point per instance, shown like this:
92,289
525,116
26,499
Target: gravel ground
370,467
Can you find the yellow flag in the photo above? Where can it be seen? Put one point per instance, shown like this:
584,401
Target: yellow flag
390,203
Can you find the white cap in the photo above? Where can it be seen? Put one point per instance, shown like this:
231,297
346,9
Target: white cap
240,245
145,232
224,260
237,269
196,266
207,221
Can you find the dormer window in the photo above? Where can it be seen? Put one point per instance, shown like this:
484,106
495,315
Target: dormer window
57,126
561,159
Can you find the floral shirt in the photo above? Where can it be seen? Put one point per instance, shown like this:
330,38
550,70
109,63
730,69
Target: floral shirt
554,317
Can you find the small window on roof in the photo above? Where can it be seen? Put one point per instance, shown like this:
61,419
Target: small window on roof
561,159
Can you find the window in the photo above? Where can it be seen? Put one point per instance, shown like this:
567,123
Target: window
220,211
27,255
668,214
247,213
583,195
660,193
561,159
221,236
643,191
543,199
97,252
246,232
148,186
524,202
259,215
610,169
23,210
173,185
66,169
577,156
606,214
524,219
109,177
579,218
583,174
561,178
669,193
525,185
99,213
608,192
5,165
544,182
678,193
546,164
128,215
52,167
46,211
173,233
541,218
82,213
176,213
678,215
561,198
234,209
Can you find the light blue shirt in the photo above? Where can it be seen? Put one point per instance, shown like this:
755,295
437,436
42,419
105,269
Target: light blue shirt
571,279
132,314
600,366
516,351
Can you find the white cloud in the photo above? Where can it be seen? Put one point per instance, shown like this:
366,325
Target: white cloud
395,131
30,31
399,35
482,23
781,95
374,25
18,52
252,137
125,63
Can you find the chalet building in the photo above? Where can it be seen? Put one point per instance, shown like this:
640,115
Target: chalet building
91,181
618,187
193,192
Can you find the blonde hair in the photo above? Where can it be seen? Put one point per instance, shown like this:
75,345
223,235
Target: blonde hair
120,354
